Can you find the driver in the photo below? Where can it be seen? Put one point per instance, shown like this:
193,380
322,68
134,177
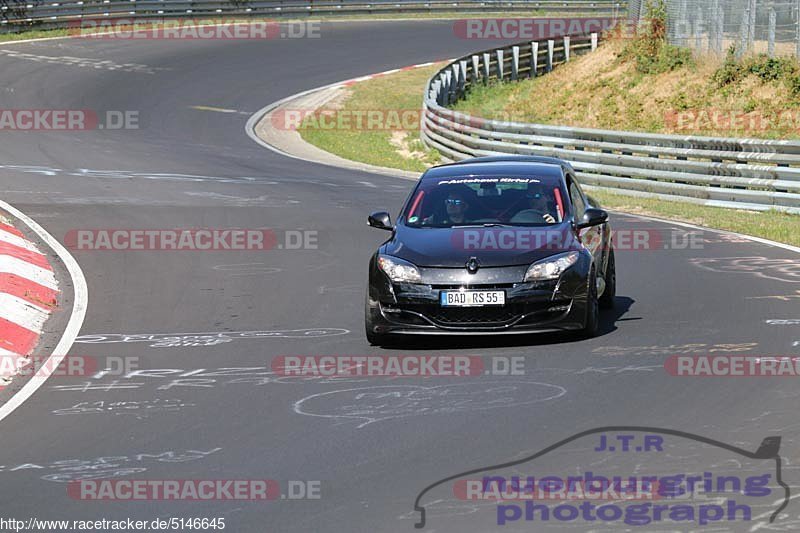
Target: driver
538,206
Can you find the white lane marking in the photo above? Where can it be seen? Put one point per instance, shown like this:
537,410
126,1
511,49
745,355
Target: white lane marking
22,312
368,184
23,269
80,302
16,240
5,352
218,109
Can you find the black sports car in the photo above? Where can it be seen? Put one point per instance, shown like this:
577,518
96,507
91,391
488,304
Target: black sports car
492,245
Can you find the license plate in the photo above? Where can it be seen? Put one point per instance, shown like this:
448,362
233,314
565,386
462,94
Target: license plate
471,298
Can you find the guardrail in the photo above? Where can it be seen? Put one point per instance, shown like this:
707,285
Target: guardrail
16,15
741,173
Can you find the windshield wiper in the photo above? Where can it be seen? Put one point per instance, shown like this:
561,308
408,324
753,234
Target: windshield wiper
485,225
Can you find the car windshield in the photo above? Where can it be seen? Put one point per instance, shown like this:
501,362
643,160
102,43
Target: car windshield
512,201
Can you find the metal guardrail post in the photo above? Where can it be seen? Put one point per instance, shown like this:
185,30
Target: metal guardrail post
487,67
450,78
566,47
437,93
535,58
476,68
515,63
550,48
500,65
594,42
462,78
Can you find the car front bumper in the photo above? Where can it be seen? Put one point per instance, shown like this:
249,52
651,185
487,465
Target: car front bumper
414,309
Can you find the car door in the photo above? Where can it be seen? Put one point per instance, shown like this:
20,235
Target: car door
593,238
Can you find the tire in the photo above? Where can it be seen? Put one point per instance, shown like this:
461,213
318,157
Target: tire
375,339
609,295
592,324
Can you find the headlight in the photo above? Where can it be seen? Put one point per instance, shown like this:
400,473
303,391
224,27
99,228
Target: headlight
552,267
398,270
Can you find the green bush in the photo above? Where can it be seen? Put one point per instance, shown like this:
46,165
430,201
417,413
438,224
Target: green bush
767,69
794,85
649,48
730,71
771,68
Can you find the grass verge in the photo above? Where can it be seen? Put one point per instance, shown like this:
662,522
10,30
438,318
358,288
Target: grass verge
772,225
390,96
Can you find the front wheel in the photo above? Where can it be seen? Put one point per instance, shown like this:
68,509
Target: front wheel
592,324
610,293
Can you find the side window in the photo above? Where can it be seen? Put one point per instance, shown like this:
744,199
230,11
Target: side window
577,199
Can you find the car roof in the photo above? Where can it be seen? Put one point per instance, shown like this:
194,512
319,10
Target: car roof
542,167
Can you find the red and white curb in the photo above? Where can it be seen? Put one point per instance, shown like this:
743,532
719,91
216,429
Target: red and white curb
351,82
30,290
28,294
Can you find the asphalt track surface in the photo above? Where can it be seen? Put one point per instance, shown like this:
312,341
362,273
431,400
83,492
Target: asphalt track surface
371,466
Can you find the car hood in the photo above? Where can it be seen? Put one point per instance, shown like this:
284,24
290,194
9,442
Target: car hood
492,247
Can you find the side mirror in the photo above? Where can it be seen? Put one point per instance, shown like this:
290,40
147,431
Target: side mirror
380,220
593,217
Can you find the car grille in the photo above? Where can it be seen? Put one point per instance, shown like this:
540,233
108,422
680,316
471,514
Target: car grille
471,316
484,287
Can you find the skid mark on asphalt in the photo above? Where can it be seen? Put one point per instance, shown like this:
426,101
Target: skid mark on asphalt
83,62
247,269
784,298
373,404
241,201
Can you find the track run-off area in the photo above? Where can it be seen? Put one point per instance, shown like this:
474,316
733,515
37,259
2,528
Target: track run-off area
197,331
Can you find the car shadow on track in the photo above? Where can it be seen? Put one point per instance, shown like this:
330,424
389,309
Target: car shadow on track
608,323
